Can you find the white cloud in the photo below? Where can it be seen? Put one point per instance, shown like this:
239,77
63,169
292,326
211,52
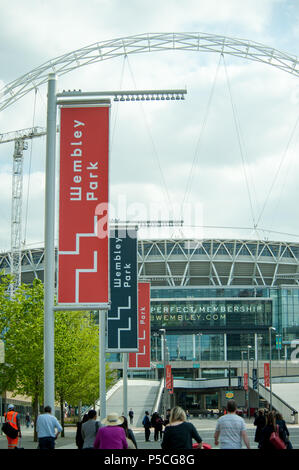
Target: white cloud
153,149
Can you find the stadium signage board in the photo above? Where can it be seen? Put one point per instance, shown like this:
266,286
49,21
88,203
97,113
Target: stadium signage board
122,318
83,254
225,313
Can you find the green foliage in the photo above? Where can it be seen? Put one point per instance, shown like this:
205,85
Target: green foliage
76,347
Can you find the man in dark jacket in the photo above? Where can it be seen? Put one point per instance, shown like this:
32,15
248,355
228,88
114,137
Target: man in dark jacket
146,424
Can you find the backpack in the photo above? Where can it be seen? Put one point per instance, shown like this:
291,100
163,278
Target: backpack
9,430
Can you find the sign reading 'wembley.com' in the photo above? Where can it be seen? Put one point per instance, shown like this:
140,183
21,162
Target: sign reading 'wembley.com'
83,202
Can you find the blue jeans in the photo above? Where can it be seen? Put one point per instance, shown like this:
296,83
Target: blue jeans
46,443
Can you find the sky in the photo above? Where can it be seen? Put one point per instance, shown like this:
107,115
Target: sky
223,160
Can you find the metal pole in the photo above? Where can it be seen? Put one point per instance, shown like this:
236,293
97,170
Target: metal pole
225,346
102,352
270,360
164,347
257,371
125,384
49,272
242,368
286,358
248,400
163,332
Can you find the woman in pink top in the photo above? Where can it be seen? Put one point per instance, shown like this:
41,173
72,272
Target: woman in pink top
111,436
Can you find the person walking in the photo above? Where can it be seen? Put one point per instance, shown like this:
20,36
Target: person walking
281,422
178,434
27,420
13,418
271,427
166,420
79,439
231,429
147,425
260,423
89,429
157,424
132,444
45,427
131,415
111,435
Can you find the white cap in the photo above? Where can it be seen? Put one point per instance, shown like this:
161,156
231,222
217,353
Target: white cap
11,407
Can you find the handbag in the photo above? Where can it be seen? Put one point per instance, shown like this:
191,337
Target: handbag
204,445
9,430
276,441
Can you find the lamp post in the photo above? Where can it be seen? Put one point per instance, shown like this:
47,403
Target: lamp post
286,358
199,345
163,334
271,328
242,368
257,366
248,400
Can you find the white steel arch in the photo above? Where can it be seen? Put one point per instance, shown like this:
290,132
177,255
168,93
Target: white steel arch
147,42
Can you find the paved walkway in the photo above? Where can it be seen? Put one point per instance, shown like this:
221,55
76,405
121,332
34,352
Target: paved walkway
205,427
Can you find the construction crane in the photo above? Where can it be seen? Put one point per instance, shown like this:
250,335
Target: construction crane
19,138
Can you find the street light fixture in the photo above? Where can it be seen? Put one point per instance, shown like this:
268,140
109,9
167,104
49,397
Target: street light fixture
248,400
163,333
199,345
257,366
242,368
271,328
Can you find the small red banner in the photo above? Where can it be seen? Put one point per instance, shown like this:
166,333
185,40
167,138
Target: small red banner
142,359
245,381
83,205
267,374
168,377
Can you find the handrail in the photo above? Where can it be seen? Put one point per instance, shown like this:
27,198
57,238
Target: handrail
279,398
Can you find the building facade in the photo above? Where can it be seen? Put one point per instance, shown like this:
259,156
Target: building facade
213,298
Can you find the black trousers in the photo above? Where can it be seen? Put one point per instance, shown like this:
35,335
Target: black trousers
147,433
46,443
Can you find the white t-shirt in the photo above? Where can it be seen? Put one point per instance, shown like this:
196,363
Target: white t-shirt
230,427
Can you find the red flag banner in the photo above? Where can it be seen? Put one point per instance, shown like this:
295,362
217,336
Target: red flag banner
142,359
267,374
171,390
168,377
245,381
83,205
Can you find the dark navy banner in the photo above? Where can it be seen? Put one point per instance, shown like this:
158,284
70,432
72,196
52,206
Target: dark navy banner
122,319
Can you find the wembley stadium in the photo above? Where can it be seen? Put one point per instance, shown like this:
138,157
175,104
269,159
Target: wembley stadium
213,297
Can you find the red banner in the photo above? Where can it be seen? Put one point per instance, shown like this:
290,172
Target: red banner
83,205
245,381
267,374
142,359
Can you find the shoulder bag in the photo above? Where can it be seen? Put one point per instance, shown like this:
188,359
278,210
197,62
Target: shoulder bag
277,442
9,430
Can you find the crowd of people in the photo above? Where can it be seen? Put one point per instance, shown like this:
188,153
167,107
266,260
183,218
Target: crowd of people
175,431
267,424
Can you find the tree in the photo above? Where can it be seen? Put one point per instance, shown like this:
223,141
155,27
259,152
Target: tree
76,348
22,320
77,359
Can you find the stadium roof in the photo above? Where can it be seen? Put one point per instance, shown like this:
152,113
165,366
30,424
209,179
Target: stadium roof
208,262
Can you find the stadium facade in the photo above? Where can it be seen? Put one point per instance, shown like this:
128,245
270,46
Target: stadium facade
213,297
